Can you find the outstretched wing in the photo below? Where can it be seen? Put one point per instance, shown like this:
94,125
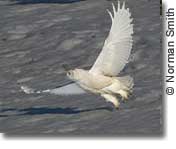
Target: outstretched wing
70,89
118,45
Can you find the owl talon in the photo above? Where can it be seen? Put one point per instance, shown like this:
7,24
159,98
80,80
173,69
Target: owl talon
112,99
117,107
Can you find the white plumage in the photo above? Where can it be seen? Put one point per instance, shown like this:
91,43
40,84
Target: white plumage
102,77
118,45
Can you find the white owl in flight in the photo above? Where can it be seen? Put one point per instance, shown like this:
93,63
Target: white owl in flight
103,78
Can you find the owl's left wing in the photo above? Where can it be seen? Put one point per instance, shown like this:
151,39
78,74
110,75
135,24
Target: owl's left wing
118,45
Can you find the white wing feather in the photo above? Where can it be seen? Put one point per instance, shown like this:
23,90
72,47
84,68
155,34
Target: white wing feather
118,45
70,89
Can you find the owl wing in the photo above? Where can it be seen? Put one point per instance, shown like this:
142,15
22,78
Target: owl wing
70,89
118,45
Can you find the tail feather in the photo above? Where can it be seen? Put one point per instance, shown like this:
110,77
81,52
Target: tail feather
127,80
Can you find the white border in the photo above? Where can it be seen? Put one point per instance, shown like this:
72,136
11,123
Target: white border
122,143
171,100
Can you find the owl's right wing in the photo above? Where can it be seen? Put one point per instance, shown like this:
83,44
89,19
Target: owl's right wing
70,89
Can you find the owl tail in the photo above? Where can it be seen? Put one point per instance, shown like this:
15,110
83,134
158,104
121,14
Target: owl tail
127,81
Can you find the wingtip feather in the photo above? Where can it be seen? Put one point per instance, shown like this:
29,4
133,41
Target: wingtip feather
118,5
110,14
123,5
114,9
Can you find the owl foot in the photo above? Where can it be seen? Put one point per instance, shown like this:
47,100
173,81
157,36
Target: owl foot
124,94
112,99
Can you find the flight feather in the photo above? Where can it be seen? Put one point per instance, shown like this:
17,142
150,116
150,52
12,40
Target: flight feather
117,47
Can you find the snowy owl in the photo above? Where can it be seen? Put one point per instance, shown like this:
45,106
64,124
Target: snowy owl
102,78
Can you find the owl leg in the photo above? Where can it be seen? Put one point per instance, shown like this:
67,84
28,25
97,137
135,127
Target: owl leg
112,99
